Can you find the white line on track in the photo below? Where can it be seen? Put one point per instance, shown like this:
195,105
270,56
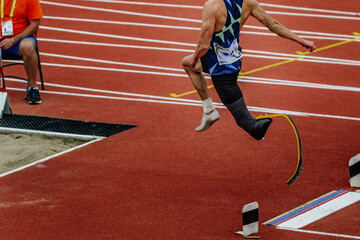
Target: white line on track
111,62
120,12
310,9
188,19
306,58
188,102
319,233
247,53
200,7
313,15
116,36
296,84
324,36
304,32
241,79
147,4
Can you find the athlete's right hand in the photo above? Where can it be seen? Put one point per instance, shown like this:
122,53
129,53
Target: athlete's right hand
309,45
192,61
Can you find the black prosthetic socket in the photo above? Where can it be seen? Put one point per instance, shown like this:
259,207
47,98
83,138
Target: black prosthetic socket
241,114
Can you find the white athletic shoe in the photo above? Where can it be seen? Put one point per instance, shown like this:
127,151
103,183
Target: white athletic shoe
208,120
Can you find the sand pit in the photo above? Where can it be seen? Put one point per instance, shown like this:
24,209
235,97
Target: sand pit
17,150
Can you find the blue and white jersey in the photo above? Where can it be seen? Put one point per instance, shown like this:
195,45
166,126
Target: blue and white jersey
224,54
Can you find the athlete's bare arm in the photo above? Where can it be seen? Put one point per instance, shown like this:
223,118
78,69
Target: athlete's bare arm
252,7
213,19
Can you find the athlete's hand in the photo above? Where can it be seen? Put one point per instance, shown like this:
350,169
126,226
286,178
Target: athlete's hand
309,45
192,61
6,43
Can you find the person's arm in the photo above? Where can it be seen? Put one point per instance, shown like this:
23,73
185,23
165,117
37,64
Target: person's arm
207,30
277,27
31,29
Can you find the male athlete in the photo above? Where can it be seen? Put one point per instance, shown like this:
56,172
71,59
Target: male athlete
218,53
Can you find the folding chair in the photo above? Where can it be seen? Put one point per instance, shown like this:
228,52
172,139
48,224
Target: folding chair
21,62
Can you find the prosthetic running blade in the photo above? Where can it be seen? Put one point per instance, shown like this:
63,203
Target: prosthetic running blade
299,166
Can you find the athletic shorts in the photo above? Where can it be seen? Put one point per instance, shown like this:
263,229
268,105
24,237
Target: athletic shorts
204,64
15,49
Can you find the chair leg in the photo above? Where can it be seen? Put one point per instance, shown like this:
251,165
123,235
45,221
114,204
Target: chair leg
41,78
2,79
40,70
27,90
2,73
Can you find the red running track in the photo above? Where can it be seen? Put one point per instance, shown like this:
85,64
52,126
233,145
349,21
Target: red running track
162,180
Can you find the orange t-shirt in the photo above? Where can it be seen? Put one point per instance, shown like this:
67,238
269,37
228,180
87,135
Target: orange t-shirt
25,10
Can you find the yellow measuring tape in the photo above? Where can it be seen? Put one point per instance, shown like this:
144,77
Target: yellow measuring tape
299,166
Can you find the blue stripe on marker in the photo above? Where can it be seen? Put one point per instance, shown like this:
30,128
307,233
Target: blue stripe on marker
304,208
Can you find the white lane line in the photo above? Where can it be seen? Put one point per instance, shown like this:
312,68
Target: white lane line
324,36
111,62
138,24
313,15
116,36
176,101
147,4
310,9
137,65
328,36
303,36
306,58
120,12
249,79
283,56
320,233
102,44
188,19
304,32
296,84
200,7
241,79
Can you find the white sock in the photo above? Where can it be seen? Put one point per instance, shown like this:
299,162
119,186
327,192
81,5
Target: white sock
208,105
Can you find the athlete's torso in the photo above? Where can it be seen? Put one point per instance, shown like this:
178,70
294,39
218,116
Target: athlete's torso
224,54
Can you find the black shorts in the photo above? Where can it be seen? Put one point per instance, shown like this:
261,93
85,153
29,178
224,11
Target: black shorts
204,64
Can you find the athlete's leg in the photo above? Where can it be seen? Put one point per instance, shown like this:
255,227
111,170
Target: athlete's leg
196,77
232,97
210,114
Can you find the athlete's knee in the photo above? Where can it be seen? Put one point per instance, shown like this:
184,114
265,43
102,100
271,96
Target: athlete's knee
185,62
185,65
